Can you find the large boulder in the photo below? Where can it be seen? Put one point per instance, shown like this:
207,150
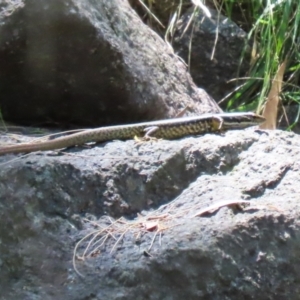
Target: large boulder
162,248
88,63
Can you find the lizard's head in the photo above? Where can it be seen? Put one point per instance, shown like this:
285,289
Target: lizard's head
241,120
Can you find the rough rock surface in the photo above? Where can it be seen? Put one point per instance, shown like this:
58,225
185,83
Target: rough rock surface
85,62
213,47
46,200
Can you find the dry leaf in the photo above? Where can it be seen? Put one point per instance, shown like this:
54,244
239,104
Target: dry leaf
150,226
271,107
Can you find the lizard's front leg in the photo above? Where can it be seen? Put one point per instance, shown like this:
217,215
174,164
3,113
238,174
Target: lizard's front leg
148,132
217,123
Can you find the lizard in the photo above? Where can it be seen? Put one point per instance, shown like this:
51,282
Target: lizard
165,129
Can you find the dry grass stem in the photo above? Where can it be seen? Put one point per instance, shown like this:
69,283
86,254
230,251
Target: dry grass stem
155,222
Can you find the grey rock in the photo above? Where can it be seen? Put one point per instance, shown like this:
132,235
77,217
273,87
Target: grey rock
51,200
213,47
88,63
